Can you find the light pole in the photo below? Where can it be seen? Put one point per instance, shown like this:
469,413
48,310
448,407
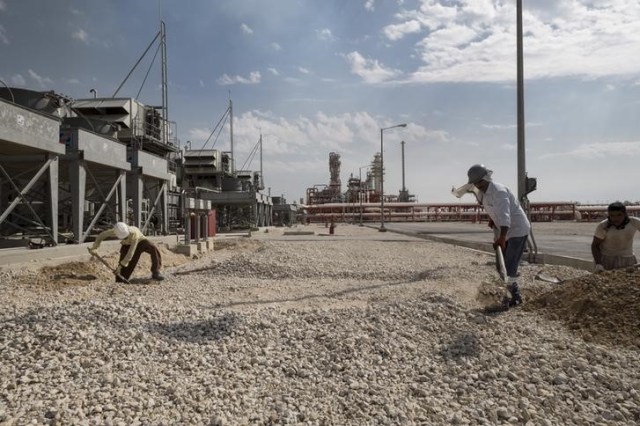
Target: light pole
382,228
360,191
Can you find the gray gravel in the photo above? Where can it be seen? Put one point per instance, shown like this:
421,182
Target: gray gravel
360,329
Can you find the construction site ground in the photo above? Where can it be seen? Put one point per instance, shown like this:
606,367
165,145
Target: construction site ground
301,325
562,244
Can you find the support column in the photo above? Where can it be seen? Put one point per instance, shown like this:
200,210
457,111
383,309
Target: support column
122,197
187,231
164,205
78,181
198,221
137,193
52,220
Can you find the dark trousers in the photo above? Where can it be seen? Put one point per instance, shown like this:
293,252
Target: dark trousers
144,246
513,254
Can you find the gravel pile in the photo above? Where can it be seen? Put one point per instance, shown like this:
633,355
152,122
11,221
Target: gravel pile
602,307
383,330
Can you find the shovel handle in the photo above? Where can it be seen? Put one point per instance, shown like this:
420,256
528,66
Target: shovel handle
104,262
501,267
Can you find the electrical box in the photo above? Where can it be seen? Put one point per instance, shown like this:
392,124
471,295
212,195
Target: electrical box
531,184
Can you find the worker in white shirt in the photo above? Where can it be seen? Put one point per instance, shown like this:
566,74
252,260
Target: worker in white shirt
510,221
612,245
134,243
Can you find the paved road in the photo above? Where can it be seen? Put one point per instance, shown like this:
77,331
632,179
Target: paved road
564,243
567,239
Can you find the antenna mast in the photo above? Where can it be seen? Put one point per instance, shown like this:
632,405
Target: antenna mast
165,96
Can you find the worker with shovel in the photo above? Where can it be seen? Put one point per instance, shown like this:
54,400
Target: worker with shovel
133,244
508,218
612,245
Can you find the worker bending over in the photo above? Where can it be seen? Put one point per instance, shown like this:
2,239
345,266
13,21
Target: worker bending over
510,221
134,243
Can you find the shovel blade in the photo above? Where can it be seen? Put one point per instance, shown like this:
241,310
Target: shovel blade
104,262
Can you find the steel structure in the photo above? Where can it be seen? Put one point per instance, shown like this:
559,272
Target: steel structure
455,212
29,160
209,174
143,132
77,166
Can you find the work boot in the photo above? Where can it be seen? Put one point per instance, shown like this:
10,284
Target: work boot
516,297
157,276
506,303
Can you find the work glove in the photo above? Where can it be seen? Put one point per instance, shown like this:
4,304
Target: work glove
92,251
119,269
599,268
500,242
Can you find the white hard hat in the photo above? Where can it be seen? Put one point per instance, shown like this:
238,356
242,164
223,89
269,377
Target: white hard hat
478,172
121,229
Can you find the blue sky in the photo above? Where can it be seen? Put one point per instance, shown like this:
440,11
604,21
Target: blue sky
316,76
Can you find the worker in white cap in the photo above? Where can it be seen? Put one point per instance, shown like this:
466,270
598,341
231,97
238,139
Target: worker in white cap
509,219
133,244
612,245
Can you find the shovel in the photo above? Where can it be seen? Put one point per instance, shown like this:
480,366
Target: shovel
502,270
104,262
548,278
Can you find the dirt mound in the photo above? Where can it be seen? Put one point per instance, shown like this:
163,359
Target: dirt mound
602,308
86,273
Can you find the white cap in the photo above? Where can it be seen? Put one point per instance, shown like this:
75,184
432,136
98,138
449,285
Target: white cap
122,230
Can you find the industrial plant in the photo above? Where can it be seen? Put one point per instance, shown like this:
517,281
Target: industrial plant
70,168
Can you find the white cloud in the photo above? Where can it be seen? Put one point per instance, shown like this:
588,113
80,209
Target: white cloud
370,5
43,82
197,134
3,5
499,126
475,40
3,35
303,70
370,70
273,71
81,35
73,81
508,126
276,47
397,31
201,83
18,80
599,150
325,34
254,78
246,29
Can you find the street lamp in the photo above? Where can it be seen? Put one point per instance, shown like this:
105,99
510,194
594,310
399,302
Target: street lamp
382,228
360,191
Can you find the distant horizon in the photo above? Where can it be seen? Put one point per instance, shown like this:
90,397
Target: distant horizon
626,203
